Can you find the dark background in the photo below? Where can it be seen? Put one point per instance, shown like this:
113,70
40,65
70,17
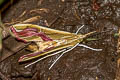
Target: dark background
102,16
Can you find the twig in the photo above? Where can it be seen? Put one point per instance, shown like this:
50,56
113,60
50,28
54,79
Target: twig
34,76
24,12
31,19
54,21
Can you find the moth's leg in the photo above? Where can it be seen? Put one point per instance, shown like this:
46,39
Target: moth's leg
62,55
79,29
45,57
89,47
72,49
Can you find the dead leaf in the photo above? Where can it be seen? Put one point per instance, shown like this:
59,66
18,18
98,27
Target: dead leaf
31,19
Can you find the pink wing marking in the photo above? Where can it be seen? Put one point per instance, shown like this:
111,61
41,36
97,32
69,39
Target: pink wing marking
28,33
32,54
16,35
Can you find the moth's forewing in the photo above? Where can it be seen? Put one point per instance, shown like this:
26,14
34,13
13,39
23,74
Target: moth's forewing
41,54
54,34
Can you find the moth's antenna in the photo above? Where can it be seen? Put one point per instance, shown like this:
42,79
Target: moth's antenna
90,47
62,55
79,29
44,58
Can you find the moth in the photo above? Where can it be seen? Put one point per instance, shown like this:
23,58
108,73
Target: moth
46,40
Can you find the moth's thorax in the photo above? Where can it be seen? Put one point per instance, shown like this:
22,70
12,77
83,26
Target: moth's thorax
80,37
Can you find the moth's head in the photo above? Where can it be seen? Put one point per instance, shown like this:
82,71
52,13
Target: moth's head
81,36
86,35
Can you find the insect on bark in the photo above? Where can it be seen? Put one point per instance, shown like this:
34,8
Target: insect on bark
46,41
